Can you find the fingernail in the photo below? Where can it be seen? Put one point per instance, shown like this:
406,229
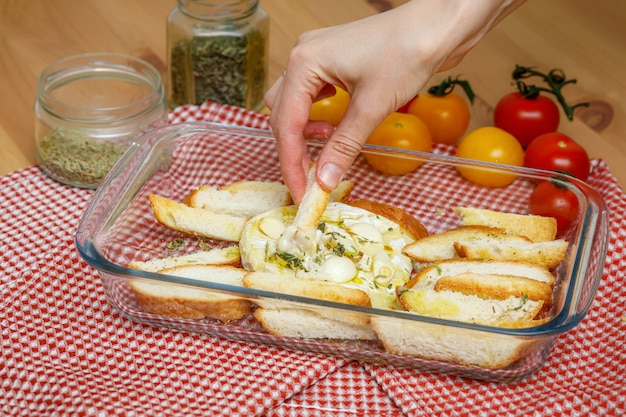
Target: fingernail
330,175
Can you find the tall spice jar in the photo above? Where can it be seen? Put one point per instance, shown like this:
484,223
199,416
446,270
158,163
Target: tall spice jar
217,50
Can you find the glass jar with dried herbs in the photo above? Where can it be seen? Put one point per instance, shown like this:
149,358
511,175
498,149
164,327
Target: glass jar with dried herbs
89,109
217,50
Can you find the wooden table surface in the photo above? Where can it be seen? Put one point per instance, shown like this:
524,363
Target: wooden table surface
586,39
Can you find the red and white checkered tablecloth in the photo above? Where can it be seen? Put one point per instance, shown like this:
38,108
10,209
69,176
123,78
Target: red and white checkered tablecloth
66,352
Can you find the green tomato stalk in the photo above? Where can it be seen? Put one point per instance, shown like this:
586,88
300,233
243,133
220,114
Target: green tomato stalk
447,86
555,79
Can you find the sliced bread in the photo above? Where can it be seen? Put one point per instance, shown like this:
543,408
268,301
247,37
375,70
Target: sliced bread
218,256
469,308
191,302
546,254
536,228
285,318
463,346
308,324
239,201
440,246
196,221
429,275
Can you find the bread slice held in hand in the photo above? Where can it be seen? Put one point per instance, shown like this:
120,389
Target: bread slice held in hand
181,301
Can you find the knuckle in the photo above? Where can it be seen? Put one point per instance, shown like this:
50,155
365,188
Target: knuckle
345,145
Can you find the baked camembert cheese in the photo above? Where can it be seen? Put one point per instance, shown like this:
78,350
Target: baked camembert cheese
349,245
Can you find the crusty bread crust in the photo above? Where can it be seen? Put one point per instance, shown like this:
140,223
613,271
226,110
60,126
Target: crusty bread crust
536,228
217,256
285,319
243,202
440,246
301,323
342,192
196,221
310,288
313,204
194,303
492,286
404,219
430,274
545,254
458,345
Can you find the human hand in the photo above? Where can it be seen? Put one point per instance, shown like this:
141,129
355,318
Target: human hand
382,61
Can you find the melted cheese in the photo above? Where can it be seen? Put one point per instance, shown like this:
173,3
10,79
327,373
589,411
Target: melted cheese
351,246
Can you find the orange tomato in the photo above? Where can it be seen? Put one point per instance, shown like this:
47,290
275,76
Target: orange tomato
331,109
402,131
446,116
490,144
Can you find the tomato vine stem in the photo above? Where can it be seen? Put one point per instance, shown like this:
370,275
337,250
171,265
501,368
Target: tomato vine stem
555,79
447,86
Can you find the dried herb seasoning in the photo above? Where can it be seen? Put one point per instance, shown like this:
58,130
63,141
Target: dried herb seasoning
71,156
222,68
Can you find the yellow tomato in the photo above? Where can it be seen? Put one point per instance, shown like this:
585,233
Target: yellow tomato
331,109
494,145
402,131
447,116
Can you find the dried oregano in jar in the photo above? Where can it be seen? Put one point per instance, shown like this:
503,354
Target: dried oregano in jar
217,51
89,109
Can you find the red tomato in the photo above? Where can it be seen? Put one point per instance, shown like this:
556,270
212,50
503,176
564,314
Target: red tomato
526,118
558,152
550,199
405,107
447,116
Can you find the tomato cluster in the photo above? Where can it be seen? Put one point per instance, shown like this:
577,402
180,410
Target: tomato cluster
524,133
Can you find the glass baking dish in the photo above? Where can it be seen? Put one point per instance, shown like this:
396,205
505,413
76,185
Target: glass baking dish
118,227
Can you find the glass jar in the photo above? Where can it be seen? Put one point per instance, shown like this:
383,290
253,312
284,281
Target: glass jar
89,109
217,50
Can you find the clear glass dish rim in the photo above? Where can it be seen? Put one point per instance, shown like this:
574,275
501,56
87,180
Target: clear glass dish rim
561,323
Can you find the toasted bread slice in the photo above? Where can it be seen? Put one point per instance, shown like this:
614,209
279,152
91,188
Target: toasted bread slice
536,228
440,246
284,318
310,288
342,192
196,221
239,202
495,287
308,324
469,308
396,214
432,273
268,186
545,254
218,256
194,303
459,345
313,204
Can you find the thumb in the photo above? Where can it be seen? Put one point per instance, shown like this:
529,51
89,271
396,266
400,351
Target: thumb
344,145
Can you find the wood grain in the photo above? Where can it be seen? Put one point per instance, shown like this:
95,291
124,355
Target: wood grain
585,39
